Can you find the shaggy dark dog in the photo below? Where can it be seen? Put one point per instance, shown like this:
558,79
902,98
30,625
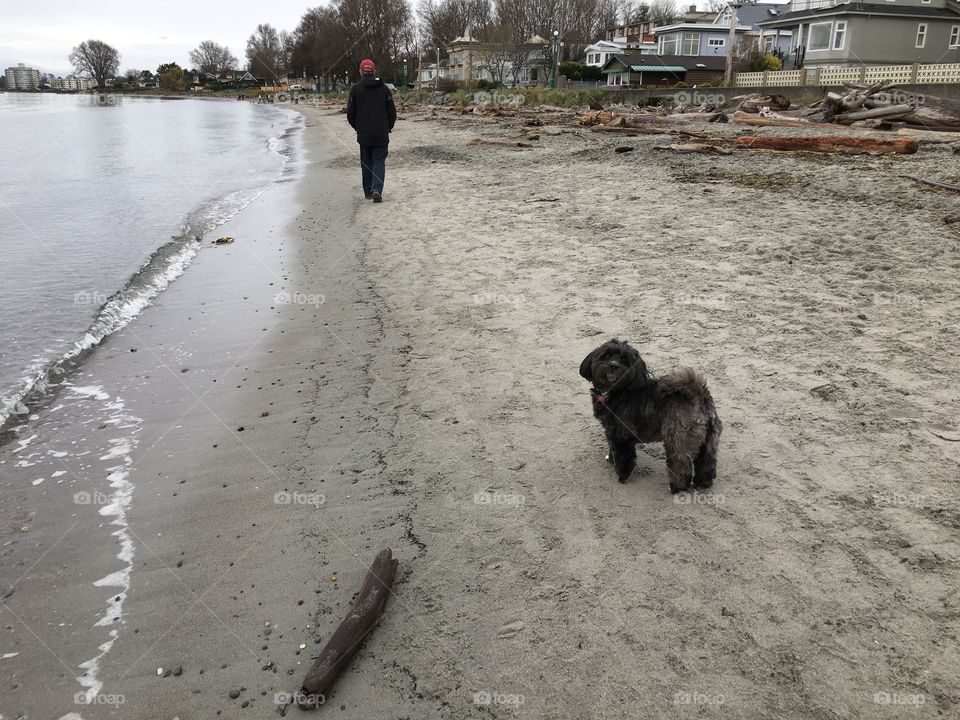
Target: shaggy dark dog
635,407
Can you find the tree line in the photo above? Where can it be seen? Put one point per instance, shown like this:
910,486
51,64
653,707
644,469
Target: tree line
330,40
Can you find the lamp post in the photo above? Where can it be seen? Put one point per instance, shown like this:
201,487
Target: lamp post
404,76
554,57
437,78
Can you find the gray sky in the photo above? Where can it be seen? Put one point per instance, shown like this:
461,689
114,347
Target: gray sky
41,33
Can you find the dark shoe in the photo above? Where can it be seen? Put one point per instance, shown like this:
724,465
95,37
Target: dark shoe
367,197
377,197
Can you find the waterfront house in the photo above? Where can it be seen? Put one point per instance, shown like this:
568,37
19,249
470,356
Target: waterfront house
826,33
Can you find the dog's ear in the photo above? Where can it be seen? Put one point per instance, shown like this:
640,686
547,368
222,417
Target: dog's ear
586,367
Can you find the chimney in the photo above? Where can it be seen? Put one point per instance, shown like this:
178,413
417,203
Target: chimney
693,8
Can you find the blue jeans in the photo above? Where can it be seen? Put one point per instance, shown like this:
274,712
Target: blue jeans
373,160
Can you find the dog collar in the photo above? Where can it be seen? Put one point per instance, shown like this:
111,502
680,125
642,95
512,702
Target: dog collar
600,397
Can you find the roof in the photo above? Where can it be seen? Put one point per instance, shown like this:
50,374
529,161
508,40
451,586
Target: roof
705,27
861,8
641,63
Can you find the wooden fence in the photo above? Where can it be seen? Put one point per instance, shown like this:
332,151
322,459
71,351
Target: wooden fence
904,74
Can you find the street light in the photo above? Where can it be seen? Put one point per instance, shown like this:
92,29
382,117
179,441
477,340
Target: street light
437,79
554,57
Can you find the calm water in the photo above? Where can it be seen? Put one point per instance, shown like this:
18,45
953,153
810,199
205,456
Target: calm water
99,208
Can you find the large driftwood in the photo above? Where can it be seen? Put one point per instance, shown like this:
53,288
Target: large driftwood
748,119
884,111
831,144
346,639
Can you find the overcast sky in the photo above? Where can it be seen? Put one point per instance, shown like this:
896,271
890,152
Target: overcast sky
41,33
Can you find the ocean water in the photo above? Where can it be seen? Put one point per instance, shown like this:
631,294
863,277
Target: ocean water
101,205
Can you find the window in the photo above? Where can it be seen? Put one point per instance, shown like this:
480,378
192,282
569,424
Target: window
818,37
716,42
921,35
955,36
839,34
668,45
691,43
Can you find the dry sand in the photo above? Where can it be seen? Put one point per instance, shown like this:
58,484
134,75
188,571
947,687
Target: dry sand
818,294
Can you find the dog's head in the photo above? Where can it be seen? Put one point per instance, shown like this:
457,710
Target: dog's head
613,362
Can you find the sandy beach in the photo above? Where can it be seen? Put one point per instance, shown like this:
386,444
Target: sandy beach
348,376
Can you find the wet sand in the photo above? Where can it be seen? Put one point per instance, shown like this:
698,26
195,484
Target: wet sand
431,403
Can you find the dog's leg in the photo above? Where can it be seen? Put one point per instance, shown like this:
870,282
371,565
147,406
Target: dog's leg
609,457
624,459
679,466
705,470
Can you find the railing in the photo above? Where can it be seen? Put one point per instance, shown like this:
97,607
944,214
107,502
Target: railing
909,74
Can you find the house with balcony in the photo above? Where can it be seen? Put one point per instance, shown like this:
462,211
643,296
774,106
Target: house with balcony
696,40
826,33
513,65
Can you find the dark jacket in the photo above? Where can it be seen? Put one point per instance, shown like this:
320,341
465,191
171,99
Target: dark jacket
370,111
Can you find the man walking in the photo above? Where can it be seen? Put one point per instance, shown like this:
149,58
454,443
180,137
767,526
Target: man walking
370,111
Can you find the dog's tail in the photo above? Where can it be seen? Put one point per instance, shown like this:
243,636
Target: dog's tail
705,467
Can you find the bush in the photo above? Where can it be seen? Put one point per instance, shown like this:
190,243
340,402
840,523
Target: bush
681,84
592,72
572,70
487,85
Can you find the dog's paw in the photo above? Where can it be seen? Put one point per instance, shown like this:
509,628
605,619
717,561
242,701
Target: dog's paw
609,458
674,489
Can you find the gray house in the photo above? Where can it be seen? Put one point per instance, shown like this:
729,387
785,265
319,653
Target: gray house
892,32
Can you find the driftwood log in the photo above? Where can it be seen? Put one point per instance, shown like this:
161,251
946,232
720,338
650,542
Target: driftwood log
504,143
753,103
346,639
884,111
831,144
694,148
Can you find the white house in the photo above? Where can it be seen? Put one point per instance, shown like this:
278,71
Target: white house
602,50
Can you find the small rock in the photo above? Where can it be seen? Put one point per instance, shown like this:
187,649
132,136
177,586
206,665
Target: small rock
178,671
862,316
623,149
727,613
234,694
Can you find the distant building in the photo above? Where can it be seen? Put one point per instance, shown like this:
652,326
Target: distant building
71,83
22,77
523,64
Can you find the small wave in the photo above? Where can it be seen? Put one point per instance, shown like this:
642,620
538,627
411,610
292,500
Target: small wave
164,266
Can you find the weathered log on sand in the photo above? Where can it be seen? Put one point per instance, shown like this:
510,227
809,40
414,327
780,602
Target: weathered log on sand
886,111
695,148
503,143
831,144
748,119
346,639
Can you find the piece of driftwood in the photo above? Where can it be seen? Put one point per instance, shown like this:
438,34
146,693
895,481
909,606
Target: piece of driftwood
694,148
503,143
831,144
748,119
753,103
933,183
885,111
346,639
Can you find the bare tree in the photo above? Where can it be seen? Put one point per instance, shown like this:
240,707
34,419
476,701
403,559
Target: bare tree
495,51
265,53
97,59
662,12
211,58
